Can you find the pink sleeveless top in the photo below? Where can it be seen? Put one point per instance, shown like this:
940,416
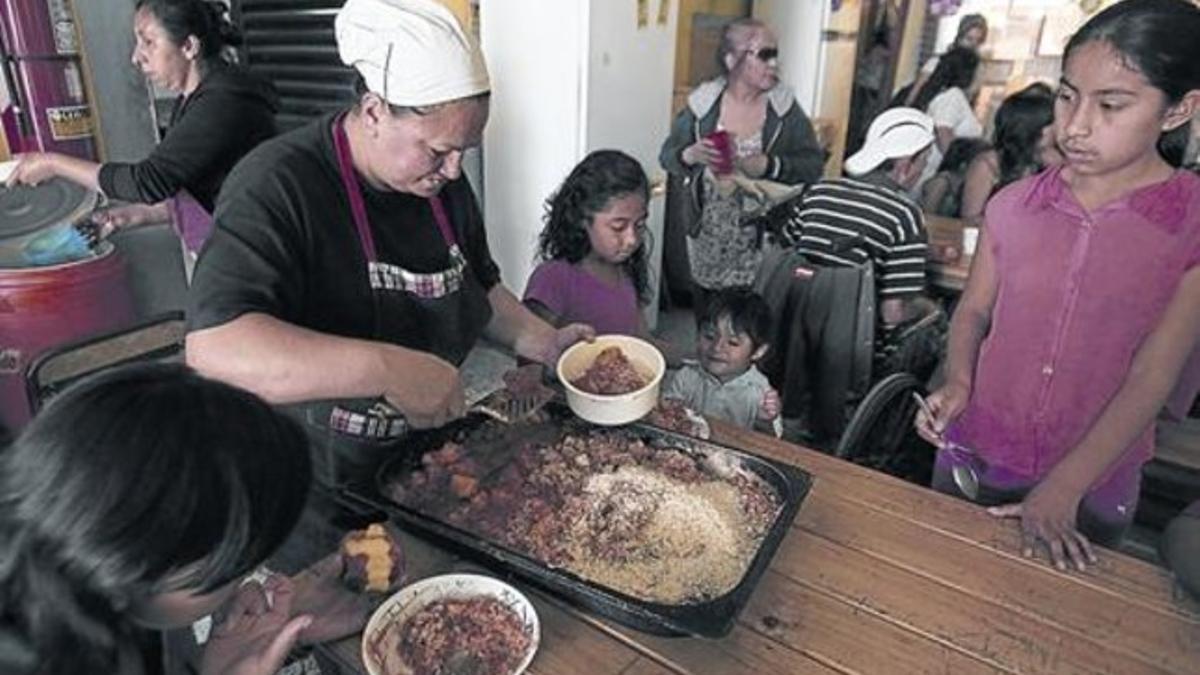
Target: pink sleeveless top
1078,294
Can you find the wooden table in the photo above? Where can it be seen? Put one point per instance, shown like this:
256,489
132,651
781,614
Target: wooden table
948,267
880,576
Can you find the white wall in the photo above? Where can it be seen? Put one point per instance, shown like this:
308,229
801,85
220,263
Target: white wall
535,133
627,101
797,25
568,77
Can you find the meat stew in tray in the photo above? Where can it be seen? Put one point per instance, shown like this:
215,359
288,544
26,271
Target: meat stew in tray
661,531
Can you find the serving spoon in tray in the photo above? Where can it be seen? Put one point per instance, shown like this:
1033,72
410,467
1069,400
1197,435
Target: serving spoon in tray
521,397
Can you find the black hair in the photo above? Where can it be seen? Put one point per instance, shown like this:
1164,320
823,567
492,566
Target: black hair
140,480
726,45
1020,120
747,312
955,68
602,176
969,22
960,152
208,20
1158,39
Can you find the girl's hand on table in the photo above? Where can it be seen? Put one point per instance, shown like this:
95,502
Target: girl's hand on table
1047,518
947,403
255,632
336,610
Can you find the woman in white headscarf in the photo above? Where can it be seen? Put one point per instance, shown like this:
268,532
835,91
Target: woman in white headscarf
349,272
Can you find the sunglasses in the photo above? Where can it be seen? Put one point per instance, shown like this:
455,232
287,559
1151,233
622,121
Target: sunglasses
765,54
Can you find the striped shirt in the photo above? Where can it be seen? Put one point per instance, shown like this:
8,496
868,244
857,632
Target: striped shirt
846,222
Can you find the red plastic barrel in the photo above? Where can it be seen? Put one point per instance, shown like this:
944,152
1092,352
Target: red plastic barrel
43,307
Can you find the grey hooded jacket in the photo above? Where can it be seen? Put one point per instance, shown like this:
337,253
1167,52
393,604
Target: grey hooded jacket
788,140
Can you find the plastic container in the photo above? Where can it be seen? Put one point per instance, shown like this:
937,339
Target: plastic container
620,408
723,142
42,307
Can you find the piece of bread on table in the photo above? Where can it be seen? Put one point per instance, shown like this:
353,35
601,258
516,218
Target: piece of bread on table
372,561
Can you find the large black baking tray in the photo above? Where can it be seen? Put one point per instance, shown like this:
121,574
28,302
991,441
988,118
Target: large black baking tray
712,618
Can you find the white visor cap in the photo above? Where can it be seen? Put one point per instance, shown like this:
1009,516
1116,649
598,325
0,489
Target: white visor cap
899,132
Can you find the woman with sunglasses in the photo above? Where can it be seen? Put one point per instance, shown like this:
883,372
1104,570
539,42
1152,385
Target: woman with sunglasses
761,133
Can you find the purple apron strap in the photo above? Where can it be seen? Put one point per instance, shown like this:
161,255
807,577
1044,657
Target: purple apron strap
358,208
443,220
193,223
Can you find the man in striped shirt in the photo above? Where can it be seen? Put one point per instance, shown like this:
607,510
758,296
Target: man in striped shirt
869,219
838,226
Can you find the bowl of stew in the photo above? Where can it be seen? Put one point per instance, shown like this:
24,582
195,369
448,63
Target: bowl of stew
614,379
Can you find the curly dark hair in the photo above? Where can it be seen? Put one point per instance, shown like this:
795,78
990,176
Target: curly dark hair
955,68
1019,124
602,176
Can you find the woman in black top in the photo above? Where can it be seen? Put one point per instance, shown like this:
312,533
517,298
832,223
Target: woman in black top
221,114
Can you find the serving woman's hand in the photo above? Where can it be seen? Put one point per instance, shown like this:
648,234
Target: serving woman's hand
557,341
254,632
1048,515
426,389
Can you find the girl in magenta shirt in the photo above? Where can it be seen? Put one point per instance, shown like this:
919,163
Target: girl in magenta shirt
593,266
1083,303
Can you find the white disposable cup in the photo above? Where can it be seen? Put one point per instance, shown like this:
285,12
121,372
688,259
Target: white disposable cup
970,239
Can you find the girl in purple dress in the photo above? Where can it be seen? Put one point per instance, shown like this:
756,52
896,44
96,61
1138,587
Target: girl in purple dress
593,267
1083,303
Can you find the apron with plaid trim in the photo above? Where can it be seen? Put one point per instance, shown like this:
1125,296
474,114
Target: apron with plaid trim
442,312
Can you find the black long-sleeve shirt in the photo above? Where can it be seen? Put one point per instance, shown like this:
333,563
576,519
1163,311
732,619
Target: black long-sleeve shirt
228,114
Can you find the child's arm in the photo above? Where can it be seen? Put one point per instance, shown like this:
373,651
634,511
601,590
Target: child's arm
768,411
1048,512
932,194
971,321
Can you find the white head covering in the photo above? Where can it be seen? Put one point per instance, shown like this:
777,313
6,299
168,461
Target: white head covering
412,52
899,132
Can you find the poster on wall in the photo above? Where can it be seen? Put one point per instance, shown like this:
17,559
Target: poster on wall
1015,40
1058,27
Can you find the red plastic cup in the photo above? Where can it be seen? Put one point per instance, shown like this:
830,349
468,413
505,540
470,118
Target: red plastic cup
721,140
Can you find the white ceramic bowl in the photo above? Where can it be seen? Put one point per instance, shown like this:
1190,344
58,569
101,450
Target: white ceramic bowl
619,408
380,647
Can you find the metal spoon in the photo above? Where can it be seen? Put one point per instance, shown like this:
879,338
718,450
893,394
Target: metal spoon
966,464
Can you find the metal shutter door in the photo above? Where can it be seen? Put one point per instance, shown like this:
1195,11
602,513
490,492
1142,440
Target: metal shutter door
291,44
